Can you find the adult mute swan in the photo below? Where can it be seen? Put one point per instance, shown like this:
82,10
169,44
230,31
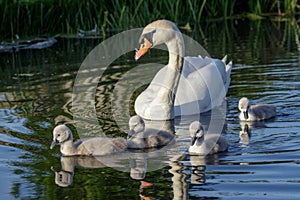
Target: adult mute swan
257,112
141,138
204,144
96,146
187,85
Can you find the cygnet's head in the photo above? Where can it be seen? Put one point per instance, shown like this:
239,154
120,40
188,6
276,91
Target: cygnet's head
197,132
244,105
61,133
136,125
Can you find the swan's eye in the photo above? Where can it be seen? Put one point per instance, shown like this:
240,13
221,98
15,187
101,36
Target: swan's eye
147,44
143,45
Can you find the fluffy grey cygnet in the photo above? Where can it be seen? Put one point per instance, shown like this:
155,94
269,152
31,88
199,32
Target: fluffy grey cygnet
96,146
204,144
141,138
256,112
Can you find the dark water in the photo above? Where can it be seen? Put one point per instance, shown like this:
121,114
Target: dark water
36,94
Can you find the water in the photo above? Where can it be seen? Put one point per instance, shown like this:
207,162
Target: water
35,95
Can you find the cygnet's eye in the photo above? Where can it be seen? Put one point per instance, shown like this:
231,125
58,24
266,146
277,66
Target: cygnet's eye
58,135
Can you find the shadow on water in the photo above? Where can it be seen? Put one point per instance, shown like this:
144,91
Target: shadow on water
36,95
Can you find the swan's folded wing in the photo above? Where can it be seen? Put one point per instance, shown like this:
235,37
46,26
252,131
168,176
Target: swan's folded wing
202,81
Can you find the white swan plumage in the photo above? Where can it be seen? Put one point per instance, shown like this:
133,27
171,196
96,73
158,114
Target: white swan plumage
187,85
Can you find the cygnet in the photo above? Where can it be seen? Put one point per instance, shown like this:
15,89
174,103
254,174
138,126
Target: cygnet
141,138
256,112
204,144
96,146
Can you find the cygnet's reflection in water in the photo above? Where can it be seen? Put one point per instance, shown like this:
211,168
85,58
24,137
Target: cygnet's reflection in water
138,167
64,177
245,133
246,128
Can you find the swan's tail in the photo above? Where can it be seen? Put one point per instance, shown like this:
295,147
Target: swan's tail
228,68
224,60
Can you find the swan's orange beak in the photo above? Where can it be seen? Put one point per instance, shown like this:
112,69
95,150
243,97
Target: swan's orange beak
143,49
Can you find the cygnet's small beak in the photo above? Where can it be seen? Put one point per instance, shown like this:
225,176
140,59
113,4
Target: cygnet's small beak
53,144
54,170
246,114
143,49
193,140
130,134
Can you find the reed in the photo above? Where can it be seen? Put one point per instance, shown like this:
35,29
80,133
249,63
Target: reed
37,17
290,6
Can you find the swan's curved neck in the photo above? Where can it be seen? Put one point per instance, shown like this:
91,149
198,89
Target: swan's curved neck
176,53
160,98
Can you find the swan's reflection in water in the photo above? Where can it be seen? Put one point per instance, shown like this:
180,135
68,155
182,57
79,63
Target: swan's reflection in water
189,171
198,164
179,179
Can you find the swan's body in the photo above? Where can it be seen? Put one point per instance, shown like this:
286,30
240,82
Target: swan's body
141,138
204,144
257,112
187,85
96,146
